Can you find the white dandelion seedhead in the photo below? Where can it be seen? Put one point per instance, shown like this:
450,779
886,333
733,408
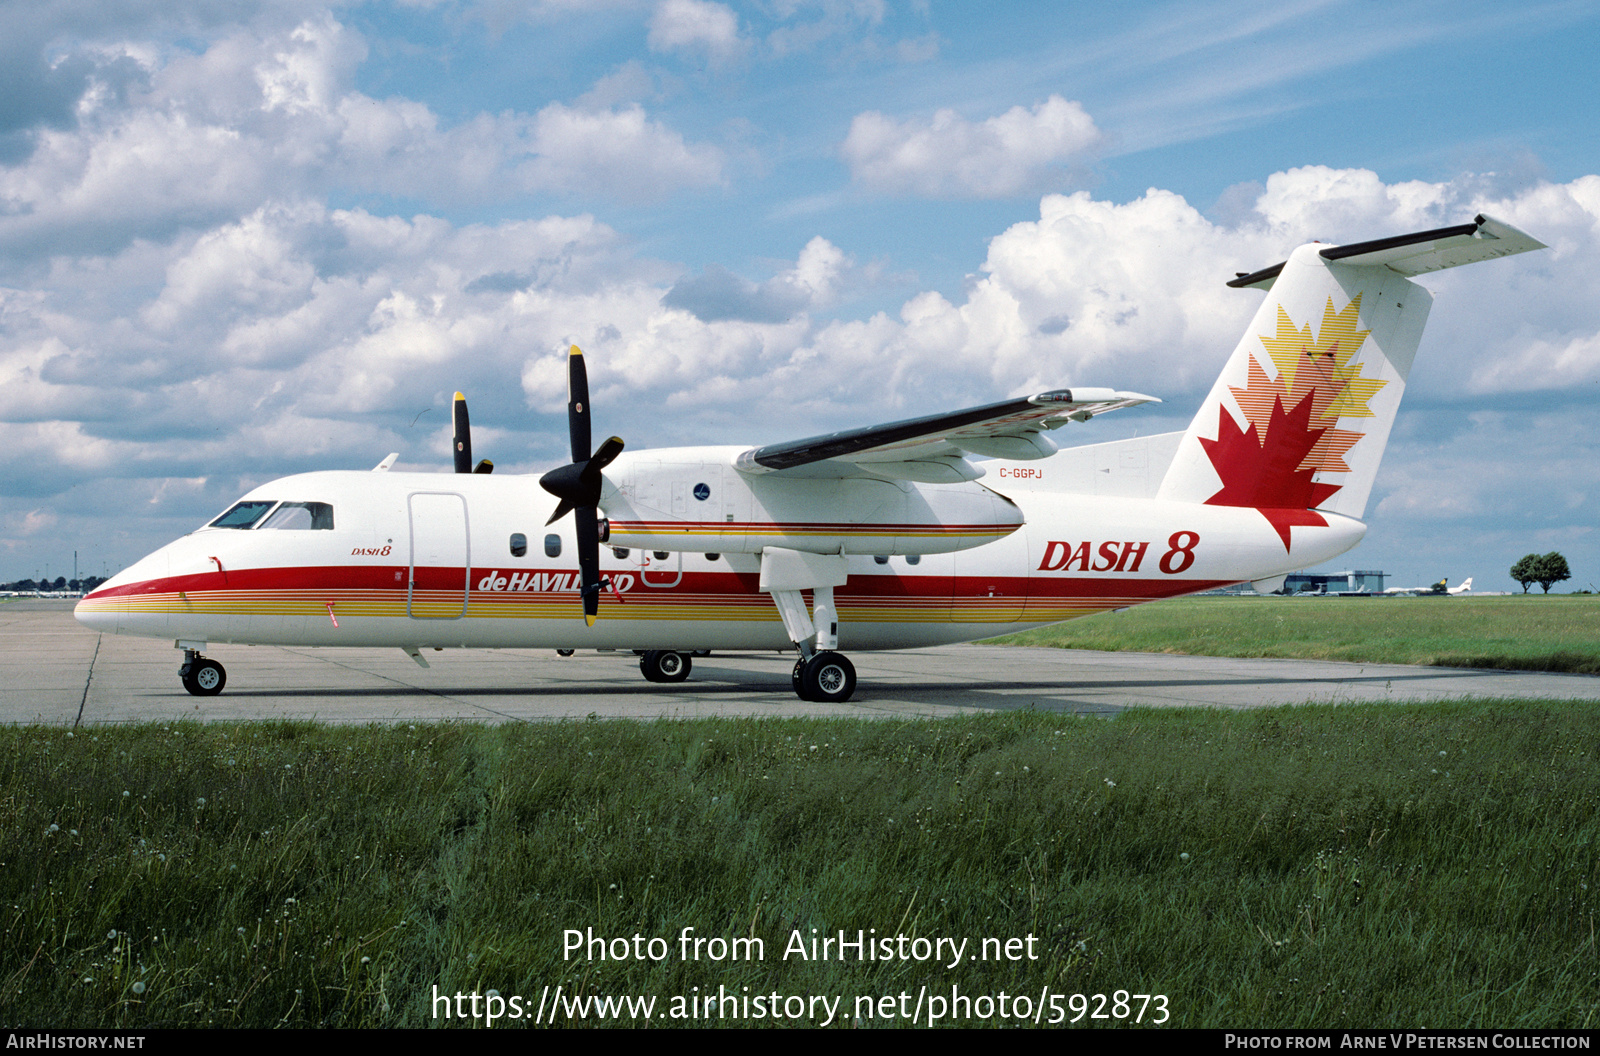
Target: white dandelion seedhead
138,988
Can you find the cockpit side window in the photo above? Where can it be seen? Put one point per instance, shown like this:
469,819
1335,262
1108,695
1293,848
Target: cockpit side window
243,514
300,517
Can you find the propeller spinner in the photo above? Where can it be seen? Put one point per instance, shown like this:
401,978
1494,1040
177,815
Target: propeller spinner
578,483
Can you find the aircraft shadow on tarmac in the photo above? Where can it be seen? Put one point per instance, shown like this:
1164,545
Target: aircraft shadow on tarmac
710,682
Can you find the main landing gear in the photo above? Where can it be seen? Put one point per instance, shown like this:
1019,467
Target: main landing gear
825,678
201,677
665,665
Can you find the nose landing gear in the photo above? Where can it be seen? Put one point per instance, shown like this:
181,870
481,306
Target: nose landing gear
200,676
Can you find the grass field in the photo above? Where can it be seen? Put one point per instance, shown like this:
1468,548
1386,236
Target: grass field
1526,633
1383,866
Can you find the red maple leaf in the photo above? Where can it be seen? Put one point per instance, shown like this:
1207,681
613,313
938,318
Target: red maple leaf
1265,473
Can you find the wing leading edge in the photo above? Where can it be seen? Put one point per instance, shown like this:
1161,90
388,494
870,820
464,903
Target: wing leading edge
934,448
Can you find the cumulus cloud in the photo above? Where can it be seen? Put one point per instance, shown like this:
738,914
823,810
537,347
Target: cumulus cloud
698,26
947,156
718,293
267,114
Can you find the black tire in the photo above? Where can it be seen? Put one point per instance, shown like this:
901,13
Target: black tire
565,652
795,679
828,678
204,678
665,665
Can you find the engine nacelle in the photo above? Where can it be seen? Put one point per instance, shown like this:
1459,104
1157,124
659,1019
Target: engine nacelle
693,499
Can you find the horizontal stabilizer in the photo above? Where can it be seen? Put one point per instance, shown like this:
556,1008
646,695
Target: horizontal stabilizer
1418,253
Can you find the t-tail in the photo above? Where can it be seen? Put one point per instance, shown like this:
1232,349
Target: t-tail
1298,421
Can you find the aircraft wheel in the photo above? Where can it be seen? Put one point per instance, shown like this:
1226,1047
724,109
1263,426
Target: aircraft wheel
204,678
664,665
796,680
565,652
828,678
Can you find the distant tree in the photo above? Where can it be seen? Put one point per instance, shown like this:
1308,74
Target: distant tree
1552,568
1526,571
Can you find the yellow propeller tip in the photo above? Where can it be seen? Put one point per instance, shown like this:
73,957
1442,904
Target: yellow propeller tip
574,350
588,619
459,396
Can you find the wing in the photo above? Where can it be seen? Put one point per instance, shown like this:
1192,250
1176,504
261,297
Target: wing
934,449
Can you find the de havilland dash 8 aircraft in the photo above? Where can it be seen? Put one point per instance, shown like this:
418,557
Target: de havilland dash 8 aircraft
874,538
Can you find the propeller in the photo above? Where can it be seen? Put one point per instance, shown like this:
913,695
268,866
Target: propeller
578,484
461,442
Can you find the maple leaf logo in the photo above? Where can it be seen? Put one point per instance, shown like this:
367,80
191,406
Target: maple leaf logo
1271,463
1267,472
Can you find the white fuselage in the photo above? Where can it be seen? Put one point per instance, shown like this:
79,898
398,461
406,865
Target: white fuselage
427,561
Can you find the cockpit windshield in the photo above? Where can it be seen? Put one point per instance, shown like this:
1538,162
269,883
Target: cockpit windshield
284,516
243,515
300,517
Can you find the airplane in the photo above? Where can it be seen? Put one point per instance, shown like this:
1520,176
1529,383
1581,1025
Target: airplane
868,539
1441,587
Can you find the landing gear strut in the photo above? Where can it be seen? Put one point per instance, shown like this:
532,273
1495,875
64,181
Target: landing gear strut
665,665
201,677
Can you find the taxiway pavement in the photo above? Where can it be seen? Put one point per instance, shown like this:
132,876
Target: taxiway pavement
55,671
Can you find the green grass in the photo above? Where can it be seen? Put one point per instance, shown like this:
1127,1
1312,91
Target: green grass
1524,633
1384,866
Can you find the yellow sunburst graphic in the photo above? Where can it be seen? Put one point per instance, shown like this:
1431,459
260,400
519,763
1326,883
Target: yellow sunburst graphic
1323,363
1317,368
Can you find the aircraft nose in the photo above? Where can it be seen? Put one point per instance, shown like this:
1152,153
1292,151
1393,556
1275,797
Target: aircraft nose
93,614
106,607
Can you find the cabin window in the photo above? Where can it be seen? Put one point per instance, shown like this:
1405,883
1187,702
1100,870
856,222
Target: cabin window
519,544
882,559
913,559
712,557
661,555
552,546
243,514
300,517
620,552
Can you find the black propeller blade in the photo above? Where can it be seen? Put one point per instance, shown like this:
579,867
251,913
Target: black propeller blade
461,441
578,484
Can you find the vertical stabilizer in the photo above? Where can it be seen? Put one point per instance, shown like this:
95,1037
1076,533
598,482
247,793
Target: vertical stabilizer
1298,421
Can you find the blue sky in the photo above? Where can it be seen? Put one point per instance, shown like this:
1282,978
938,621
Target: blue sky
239,240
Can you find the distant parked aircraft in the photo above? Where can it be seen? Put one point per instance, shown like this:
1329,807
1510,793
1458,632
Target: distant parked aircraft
1441,587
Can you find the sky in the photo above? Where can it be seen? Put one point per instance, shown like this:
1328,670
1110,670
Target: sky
246,238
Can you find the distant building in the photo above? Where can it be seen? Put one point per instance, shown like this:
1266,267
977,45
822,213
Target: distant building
1359,581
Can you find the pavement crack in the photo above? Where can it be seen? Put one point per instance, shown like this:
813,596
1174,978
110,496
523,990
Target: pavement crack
88,679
